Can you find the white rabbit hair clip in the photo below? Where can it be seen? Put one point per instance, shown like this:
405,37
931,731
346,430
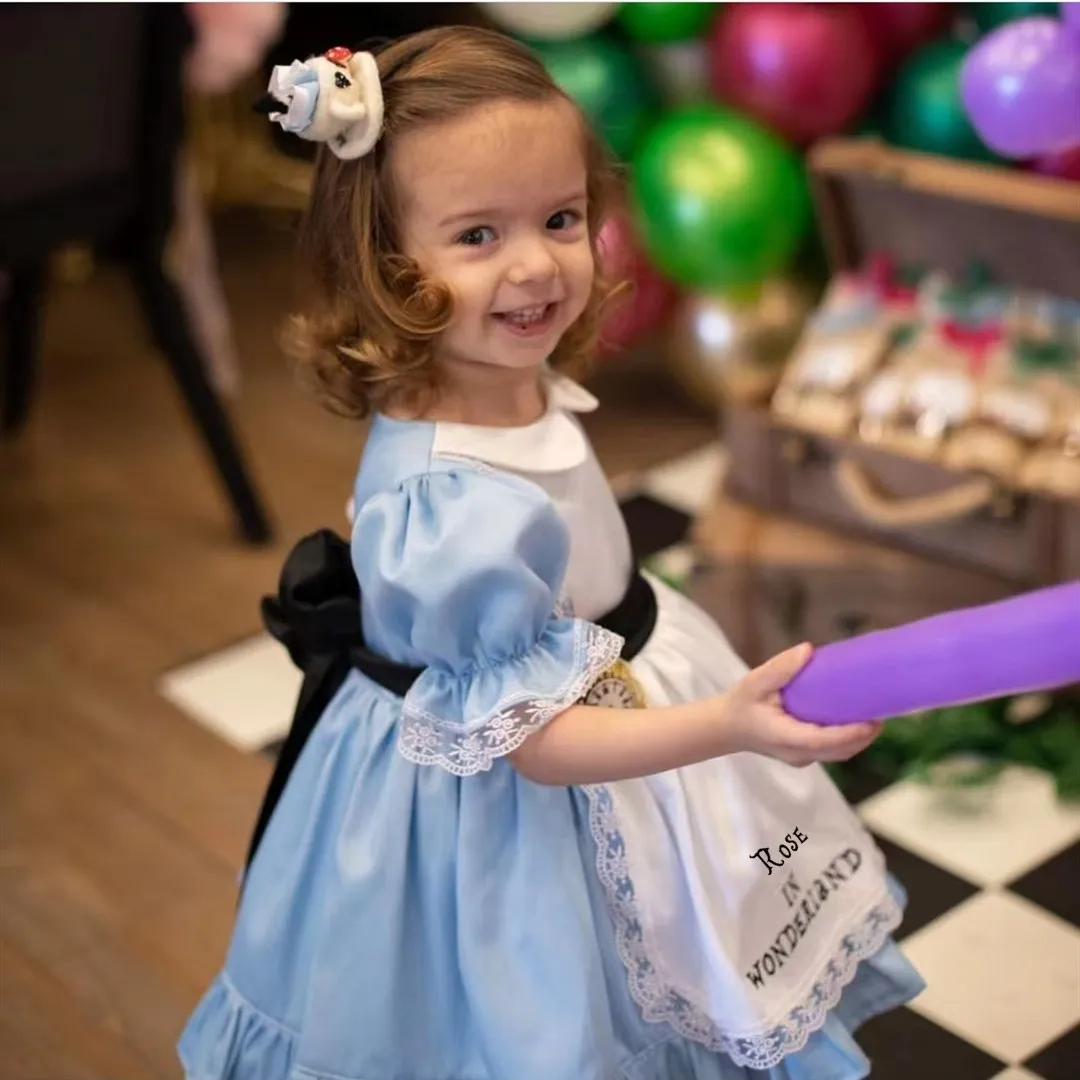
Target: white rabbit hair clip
335,98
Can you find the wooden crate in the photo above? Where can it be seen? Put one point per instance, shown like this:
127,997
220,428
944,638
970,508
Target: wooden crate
1025,230
1021,538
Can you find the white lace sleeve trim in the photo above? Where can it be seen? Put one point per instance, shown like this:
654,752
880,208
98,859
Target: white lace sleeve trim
471,747
661,1003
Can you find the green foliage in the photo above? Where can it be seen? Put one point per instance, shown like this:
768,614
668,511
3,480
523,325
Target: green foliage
969,745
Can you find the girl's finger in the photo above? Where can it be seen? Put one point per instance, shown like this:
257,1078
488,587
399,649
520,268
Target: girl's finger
824,739
855,746
770,678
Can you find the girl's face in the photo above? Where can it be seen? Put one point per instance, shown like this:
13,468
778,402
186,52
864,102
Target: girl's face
493,204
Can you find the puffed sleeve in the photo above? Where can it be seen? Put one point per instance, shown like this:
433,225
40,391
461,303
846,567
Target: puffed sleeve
461,574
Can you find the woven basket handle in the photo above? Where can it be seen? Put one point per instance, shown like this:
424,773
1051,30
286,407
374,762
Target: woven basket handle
884,510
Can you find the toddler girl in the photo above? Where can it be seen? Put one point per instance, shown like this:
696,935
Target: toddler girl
548,826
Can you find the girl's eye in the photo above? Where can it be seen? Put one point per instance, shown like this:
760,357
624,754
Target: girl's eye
477,237
563,219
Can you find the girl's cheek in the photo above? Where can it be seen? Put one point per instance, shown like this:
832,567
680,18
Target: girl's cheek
474,279
584,263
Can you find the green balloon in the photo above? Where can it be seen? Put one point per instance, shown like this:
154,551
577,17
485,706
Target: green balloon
608,83
657,24
924,110
991,16
720,202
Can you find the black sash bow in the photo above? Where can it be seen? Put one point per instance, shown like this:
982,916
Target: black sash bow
316,616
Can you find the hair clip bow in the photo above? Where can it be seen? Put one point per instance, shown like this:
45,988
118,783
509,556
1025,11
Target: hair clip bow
335,98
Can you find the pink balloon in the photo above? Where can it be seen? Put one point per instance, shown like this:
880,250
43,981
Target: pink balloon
804,70
898,29
1064,164
650,297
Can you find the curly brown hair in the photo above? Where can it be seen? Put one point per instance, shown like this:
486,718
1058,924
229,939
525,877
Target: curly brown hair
368,337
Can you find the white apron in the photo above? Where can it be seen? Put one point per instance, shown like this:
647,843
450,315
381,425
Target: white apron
744,892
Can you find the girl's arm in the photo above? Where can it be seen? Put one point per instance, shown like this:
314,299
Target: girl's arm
593,745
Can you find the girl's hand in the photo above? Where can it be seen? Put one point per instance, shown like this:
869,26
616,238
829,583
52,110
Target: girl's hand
757,723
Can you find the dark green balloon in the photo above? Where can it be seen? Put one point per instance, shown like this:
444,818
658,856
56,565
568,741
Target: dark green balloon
657,24
991,16
720,202
609,84
924,110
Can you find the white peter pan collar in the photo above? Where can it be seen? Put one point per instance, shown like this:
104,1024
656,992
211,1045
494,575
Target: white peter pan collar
554,443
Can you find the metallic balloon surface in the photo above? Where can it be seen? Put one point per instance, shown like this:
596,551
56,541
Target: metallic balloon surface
726,348
610,83
897,29
719,201
679,70
1064,163
924,110
1021,87
990,16
648,298
660,23
550,22
802,70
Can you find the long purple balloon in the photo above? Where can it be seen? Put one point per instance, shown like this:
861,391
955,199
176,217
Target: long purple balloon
1026,643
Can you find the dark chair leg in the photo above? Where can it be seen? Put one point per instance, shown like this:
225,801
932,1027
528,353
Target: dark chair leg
168,321
20,324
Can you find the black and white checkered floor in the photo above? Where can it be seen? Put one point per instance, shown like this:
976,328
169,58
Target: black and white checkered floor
993,873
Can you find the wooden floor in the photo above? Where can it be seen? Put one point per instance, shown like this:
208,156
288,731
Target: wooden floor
122,824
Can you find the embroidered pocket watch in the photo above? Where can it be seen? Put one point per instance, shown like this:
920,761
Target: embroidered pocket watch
616,688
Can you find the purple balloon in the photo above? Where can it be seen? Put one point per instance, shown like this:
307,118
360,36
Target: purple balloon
1026,643
1021,87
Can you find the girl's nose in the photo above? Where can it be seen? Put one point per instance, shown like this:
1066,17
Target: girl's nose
531,261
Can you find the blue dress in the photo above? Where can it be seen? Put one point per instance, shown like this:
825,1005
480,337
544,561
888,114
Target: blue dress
417,910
